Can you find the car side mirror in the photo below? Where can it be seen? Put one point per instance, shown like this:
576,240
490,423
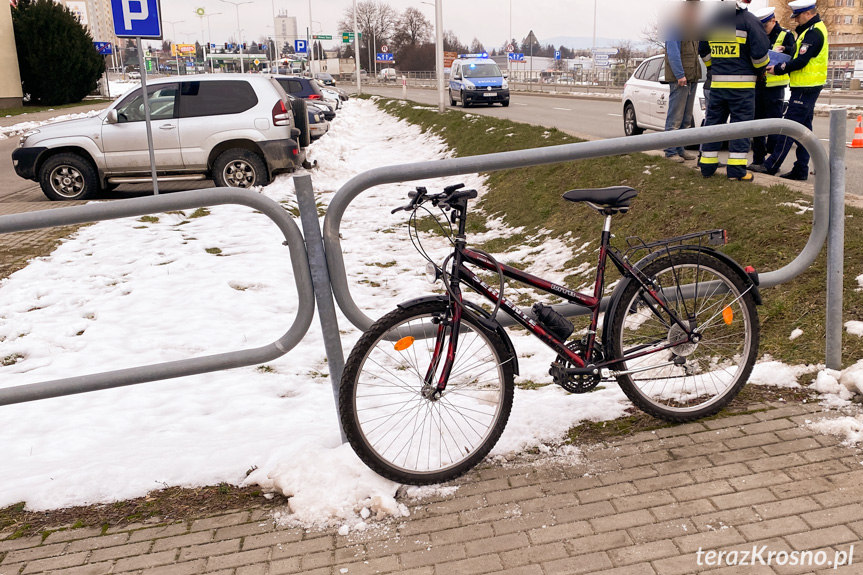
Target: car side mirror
112,117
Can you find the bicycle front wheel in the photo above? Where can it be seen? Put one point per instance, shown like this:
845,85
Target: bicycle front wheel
692,379
390,422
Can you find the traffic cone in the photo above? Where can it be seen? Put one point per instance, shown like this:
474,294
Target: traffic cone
857,142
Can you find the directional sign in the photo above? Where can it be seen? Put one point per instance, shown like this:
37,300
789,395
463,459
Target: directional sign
104,48
557,54
384,57
137,18
599,57
322,37
515,57
449,58
348,37
611,51
301,46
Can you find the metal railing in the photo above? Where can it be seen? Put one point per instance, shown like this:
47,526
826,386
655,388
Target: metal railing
319,277
158,204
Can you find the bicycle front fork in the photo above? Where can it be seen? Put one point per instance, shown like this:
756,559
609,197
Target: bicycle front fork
444,349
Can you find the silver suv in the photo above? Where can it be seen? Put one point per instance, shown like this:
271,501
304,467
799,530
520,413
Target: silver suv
239,130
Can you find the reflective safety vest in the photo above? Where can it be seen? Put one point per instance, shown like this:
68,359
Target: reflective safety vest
815,72
784,79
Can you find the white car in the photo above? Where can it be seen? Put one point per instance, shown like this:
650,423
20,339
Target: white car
645,98
133,75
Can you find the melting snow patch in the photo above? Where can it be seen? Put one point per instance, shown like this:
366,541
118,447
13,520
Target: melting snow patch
850,429
795,334
854,327
799,205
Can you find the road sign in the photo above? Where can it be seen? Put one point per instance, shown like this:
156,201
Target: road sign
383,57
137,18
510,48
515,57
557,54
322,37
385,49
301,46
104,48
608,51
449,58
348,37
257,62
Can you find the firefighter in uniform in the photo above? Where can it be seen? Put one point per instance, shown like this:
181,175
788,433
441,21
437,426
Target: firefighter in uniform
770,89
808,72
735,52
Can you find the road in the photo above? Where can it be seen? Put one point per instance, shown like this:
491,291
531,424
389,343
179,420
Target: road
592,119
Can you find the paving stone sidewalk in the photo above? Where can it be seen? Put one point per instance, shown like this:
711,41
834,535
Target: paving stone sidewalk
643,504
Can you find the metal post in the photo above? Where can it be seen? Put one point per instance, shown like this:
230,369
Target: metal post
357,51
438,14
836,239
321,283
149,125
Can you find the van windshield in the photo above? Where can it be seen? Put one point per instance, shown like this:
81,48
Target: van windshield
489,70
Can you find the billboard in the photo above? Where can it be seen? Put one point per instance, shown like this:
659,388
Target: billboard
183,50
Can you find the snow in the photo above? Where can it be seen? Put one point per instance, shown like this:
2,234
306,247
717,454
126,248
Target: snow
854,327
849,428
95,305
797,332
21,127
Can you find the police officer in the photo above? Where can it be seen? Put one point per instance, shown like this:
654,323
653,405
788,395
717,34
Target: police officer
770,89
735,51
808,72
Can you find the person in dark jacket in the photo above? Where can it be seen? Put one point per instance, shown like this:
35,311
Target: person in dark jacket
770,89
682,74
808,72
736,50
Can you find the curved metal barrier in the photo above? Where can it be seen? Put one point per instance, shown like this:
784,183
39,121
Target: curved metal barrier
158,204
567,153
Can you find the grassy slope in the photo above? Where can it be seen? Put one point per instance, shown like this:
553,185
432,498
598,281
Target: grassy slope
673,200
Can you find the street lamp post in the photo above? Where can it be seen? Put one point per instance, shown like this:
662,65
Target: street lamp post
357,52
174,40
439,55
210,39
239,31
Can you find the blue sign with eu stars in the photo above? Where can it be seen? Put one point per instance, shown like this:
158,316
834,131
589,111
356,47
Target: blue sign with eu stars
137,18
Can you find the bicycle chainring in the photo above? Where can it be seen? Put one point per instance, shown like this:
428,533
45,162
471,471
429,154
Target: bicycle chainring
575,383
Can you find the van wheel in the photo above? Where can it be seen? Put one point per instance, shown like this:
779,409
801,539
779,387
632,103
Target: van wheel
451,99
630,123
505,103
68,177
238,168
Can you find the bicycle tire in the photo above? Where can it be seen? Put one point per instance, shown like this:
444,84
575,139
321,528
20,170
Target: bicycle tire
673,393
358,378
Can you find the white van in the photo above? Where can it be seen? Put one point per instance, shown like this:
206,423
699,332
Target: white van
387,75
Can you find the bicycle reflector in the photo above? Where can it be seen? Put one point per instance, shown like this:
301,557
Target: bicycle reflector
404,343
727,315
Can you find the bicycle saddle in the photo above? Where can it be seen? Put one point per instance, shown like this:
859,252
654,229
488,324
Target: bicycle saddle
613,197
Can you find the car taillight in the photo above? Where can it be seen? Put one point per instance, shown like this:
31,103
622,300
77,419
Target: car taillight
315,97
280,115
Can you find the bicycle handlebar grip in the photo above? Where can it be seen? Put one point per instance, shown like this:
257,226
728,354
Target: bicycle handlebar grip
451,189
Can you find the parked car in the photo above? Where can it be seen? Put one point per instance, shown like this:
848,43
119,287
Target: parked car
134,75
318,125
387,75
325,79
332,97
324,107
238,129
300,87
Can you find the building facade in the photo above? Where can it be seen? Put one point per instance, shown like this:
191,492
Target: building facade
286,30
97,16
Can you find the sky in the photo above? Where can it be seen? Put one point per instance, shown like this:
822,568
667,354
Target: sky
487,20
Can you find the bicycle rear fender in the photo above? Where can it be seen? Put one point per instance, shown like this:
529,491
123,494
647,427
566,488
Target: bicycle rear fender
747,279
498,329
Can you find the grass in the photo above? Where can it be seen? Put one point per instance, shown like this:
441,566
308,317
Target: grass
149,219
33,109
673,200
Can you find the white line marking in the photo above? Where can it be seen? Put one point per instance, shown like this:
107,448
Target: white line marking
517,104
564,109
615,115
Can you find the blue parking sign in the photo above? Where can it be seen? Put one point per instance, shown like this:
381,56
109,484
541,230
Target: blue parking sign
137,18
300,46
557,54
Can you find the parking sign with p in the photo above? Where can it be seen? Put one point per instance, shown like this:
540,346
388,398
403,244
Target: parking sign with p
137,18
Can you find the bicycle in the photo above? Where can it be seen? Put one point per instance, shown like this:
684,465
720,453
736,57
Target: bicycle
427,390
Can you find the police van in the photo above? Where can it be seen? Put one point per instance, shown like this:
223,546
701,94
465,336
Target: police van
477,79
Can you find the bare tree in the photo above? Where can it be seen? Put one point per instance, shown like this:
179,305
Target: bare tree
625,53
651,35
414,27
451,43
476,46
377,23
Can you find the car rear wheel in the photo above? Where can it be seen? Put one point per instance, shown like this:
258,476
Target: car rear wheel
630,123
238,168
68,177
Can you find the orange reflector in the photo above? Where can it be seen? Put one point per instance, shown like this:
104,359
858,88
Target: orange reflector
404,343
727,316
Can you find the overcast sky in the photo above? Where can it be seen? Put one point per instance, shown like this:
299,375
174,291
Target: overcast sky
488,20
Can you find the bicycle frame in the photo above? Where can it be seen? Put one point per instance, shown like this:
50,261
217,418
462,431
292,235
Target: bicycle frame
462,274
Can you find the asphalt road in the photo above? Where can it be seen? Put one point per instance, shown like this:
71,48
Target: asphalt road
591,119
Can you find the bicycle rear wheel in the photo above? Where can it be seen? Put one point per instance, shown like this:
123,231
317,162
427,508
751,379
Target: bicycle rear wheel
396,430
693,379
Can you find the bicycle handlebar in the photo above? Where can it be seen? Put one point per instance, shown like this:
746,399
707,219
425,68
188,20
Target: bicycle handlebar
448,197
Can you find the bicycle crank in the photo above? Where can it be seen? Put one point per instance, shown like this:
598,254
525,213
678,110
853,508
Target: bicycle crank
561,370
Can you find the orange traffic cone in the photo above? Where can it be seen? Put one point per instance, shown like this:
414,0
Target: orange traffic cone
857,142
